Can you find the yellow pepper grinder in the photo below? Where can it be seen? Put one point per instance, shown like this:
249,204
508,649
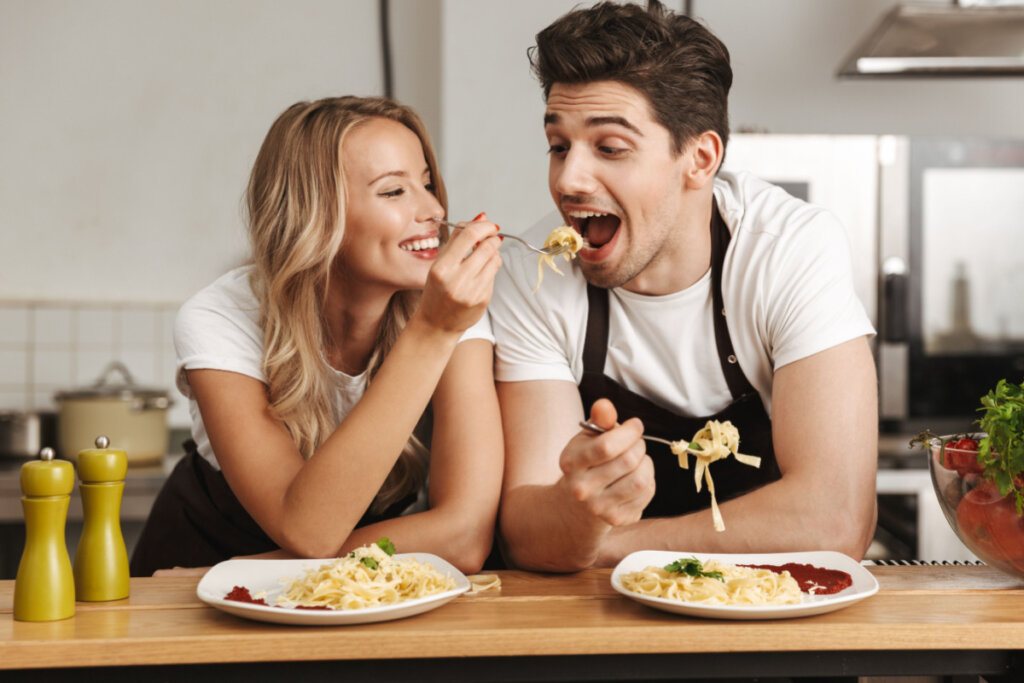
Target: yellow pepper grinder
101,559
44,589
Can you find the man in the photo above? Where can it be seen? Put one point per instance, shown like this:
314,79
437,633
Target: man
698,296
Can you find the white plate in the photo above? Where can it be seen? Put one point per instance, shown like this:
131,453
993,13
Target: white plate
266,575
864,584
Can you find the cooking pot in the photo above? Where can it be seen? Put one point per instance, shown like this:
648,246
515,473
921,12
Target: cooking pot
132,417
24,434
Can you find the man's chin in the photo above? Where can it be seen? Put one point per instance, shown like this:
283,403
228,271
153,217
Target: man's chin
603,275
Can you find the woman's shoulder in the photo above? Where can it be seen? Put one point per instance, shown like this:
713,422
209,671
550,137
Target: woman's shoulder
230,294
227,306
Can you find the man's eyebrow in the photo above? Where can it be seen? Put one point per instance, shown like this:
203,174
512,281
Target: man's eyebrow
599,121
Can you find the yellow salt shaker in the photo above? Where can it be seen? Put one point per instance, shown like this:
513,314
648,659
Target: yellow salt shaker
44,589
101,559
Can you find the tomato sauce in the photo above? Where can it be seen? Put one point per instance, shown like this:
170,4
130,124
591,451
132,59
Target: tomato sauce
813,580
241,594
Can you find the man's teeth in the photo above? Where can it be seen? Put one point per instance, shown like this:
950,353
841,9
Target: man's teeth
586,214
420,245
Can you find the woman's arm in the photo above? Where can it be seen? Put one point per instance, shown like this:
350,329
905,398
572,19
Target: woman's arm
466,461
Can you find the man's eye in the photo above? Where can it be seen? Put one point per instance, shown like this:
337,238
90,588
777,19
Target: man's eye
610,151
558,150
393,193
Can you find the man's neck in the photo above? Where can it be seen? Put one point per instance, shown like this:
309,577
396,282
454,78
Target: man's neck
684,258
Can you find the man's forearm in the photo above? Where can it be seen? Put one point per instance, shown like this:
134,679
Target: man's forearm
780,517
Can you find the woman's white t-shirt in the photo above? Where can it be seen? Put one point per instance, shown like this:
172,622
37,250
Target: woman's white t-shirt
217,329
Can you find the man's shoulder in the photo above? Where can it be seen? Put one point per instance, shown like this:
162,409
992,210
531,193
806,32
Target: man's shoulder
764,219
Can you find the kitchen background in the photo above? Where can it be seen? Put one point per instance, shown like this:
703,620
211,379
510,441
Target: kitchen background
128,130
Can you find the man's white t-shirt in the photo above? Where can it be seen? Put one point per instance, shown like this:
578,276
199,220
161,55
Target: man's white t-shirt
217,329
787,288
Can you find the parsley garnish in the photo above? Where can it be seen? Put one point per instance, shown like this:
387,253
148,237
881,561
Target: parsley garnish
386,545
692,567
1001,453
369,562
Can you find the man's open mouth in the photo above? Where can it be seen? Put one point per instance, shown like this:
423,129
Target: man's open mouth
596,228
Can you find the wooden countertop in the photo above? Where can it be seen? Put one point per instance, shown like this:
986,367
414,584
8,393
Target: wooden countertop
952,607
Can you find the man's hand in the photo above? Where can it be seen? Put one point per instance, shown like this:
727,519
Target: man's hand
609,475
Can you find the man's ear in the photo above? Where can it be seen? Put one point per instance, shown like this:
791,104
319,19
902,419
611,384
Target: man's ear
705,153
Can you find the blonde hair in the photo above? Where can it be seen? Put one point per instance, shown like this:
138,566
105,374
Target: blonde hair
296,210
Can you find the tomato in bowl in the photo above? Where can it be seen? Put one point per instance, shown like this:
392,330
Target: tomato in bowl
986,521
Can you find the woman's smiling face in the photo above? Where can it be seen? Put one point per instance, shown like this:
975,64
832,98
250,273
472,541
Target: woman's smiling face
614,175
389,241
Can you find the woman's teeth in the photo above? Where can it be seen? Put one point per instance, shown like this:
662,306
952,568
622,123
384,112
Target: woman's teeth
420,245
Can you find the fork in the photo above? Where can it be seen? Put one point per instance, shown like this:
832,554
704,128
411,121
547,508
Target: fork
553,250
691,447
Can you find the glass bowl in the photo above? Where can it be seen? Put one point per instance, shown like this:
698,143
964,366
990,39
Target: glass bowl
984,521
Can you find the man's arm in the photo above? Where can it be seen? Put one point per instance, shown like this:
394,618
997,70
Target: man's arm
825,433
563,489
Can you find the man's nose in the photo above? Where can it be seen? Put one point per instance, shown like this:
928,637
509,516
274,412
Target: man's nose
572,174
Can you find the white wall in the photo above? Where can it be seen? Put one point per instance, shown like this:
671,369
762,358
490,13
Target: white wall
128,127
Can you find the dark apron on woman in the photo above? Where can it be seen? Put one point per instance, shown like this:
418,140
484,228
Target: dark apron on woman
676,492
196,521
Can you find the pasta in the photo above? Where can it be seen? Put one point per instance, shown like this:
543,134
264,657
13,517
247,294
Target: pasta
715,441
367,577
696,582
562,235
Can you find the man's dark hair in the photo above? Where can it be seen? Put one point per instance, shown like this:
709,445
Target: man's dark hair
676,62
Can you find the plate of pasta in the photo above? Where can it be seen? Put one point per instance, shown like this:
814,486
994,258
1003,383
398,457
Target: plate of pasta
743,586
361,588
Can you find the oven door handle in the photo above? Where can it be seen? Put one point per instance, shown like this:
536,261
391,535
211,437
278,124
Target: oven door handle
894,301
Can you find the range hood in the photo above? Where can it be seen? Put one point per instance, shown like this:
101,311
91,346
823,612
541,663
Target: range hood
962,39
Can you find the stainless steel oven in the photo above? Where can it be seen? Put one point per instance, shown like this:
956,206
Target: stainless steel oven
951,277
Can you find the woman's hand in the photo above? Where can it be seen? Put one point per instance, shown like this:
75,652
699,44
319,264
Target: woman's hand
460,283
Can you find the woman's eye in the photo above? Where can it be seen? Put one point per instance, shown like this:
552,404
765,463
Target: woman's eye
431,188
393,193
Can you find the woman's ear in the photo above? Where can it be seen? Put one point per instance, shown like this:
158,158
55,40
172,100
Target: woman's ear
705,153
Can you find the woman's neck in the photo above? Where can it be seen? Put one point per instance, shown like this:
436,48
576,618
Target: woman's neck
353,321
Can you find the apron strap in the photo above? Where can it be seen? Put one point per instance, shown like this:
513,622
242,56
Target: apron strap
595,348
738,383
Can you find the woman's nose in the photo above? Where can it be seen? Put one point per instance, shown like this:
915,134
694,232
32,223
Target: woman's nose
430,208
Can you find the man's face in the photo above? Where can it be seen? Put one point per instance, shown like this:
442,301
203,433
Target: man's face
615,177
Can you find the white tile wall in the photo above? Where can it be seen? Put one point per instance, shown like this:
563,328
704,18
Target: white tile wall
48,347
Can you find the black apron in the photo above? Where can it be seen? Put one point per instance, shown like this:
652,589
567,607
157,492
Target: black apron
676,492
196,521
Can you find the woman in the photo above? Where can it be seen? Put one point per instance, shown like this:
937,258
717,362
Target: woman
308,370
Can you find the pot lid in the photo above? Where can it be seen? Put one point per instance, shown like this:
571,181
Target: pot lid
109,385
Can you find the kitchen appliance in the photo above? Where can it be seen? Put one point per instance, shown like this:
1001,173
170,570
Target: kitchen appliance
132,417
24,434
964,38
951,269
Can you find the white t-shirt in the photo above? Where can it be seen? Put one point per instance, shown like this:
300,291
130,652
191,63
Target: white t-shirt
217,329
786,284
